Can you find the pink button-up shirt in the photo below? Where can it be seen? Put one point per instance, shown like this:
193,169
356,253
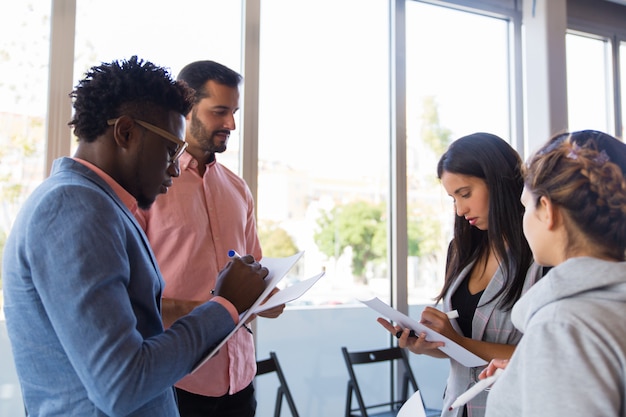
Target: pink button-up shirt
191,229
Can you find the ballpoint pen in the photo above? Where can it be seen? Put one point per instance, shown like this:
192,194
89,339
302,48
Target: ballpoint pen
233,254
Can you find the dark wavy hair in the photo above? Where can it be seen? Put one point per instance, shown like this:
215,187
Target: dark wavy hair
490,158
134,87
196,75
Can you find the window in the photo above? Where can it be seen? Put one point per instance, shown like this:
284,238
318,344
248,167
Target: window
589,83
24,45
324,141
622,54
323,181
457,79
198,35
456,85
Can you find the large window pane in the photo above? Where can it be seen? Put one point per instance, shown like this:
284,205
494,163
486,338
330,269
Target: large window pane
323,183
589,86
622,65
324,139
24,46
457,84
170,35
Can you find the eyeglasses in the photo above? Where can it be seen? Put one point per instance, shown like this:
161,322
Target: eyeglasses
181,145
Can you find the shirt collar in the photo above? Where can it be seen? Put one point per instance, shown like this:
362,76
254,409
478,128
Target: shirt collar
129,201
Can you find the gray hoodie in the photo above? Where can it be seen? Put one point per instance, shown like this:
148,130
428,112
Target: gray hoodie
571,360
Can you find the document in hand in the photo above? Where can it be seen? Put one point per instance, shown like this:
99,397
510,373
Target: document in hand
413,407
278,268
452,349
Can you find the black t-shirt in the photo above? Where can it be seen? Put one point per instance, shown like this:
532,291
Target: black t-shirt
465,304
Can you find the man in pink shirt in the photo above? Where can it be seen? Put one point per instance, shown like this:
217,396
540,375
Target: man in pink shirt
208,211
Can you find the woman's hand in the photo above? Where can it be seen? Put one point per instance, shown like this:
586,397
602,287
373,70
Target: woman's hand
417,344
438,321
491,368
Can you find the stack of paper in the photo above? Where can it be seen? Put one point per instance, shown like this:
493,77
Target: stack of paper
278,268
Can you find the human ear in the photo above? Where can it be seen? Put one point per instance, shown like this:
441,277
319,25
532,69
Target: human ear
548,212
123,131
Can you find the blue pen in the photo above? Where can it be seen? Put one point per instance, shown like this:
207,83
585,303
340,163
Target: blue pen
232,254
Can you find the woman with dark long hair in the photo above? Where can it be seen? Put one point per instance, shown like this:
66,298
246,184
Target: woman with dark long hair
489,264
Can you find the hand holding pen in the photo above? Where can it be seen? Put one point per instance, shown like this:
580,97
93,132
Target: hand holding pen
487,377
271,312
241,281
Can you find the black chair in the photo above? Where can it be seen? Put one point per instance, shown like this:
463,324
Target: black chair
271,365
385,409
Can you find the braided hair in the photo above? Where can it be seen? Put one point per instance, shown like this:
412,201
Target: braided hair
581,177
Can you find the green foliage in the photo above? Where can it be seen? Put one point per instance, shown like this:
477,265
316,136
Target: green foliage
424,235
359,225
434,135
362,226
275,241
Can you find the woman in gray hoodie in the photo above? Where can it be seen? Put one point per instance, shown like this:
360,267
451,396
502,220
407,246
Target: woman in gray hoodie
571,360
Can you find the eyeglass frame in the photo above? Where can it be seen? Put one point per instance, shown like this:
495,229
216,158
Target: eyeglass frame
181,144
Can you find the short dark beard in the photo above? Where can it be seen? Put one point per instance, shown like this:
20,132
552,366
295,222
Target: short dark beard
198,131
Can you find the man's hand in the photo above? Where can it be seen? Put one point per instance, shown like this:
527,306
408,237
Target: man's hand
241,282
272,313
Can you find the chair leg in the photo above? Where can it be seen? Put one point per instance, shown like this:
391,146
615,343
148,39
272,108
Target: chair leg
349,400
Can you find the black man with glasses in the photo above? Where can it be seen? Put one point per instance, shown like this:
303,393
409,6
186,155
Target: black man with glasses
82,288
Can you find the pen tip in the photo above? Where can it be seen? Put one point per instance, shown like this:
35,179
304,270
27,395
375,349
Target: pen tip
450,409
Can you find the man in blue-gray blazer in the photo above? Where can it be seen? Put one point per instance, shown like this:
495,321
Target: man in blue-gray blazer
82,288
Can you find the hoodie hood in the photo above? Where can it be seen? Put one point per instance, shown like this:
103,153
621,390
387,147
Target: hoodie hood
583,277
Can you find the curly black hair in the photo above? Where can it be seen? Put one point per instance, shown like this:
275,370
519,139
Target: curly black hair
135,87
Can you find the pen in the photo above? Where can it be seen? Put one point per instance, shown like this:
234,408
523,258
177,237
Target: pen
232,254
452,314
476,389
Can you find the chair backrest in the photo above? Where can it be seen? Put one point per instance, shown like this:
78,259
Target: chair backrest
271,365
389,355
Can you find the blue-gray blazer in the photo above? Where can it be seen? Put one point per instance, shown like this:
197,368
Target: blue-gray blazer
82,304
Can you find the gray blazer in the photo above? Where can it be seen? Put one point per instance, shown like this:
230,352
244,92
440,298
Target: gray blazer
490,324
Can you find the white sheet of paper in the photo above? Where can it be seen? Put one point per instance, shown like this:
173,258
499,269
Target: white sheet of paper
452,349
413,407
289,294
278,268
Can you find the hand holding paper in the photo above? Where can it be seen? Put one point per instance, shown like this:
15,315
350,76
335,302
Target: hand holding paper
278,268
450,348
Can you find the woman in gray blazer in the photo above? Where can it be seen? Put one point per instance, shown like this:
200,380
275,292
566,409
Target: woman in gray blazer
489,263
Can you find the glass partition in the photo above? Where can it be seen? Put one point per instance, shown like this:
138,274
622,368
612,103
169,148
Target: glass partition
589,83
457,80
323,182
24,56
24,46
165,34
